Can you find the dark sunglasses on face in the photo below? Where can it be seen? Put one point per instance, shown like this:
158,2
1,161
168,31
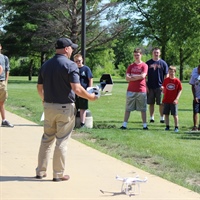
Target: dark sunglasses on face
77,61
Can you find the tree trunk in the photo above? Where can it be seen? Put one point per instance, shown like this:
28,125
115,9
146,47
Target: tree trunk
181,64
43,57
163,52
30,70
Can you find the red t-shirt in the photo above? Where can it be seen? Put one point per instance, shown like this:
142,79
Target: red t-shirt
139,85
171,89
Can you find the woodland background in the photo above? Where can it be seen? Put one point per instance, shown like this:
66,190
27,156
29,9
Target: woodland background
29,29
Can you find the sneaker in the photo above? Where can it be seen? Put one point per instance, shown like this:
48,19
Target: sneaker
123,128
167,129
194,128
176,130
145,128
162,121
152,121
6,124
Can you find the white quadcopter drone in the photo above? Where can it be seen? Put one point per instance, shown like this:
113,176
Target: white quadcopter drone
127,184
95,90
104,87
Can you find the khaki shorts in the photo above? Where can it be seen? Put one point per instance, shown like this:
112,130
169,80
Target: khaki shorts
3,91
136,101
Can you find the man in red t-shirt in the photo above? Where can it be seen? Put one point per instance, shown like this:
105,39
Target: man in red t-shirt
136,97
172,89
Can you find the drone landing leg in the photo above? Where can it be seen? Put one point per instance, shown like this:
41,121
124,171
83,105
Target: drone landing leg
138,188
122,188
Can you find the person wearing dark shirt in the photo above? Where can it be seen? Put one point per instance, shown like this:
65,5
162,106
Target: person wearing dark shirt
58,82
157,72
86,80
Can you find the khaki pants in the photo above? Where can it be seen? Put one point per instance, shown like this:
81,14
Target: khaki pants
3,91
58,125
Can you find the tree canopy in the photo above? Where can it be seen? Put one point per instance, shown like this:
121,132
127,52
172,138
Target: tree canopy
171,25
34,25
30,28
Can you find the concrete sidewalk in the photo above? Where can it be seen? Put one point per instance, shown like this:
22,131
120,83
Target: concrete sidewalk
91,171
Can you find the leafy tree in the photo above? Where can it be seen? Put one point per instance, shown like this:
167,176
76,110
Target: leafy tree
173,25
151,21
185,38
34,25
124,47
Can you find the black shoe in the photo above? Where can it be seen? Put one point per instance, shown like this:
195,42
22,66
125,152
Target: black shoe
40,177
7,124
167,129
145,128
152,121
162,121
82,124
123,128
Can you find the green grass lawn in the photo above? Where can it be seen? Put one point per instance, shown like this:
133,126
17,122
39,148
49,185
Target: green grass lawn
173,156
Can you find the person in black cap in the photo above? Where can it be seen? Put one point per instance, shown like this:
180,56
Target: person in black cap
65,42
58,82
4,75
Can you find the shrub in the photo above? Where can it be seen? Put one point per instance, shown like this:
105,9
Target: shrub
22,67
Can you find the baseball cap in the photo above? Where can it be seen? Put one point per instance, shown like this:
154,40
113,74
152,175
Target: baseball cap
65,42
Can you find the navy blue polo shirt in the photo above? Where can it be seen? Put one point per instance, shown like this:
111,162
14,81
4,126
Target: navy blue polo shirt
56,74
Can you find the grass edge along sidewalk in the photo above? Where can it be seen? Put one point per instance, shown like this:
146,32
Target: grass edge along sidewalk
174,157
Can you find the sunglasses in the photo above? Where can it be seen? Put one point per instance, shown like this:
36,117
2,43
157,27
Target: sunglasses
77,61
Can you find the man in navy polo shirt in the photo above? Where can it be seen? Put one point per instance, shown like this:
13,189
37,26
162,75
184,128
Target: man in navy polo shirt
58,82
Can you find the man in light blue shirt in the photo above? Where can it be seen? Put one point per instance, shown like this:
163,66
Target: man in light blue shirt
5,68
195,82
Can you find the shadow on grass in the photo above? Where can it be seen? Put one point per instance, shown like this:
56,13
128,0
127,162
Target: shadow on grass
22,82
112,125
186,110
106,122
104,126
190,136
